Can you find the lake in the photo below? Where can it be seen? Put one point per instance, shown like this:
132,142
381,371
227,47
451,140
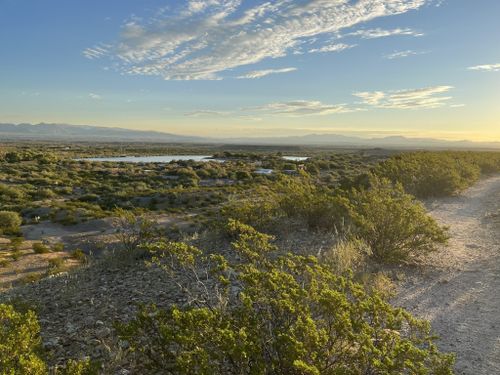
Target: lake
296,158
170,158
152,159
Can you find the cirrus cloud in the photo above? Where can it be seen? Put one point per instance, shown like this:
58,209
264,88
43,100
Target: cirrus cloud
382,33
206,38
403,54
427,97
333,48
408,99
266,72
299,108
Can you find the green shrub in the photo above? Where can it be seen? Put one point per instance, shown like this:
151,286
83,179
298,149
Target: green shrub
20,343
20,347
79,255
58,247
40,248
133,230
394,225
320,208
16,242
259,211
276,315
56,263
16,254
10,222
435,174
84,367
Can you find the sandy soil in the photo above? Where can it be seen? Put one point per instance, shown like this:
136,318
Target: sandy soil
458,289
28,265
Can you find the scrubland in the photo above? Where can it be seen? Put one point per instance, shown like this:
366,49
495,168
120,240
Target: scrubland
208,267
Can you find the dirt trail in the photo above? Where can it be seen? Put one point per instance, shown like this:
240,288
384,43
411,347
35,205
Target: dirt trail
458,289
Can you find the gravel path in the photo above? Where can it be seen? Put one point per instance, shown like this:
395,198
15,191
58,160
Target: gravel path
458,289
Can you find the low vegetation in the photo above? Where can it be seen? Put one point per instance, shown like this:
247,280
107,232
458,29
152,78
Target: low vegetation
248,302
290,315
438,174
20,347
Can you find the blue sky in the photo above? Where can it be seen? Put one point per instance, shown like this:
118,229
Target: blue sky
255,68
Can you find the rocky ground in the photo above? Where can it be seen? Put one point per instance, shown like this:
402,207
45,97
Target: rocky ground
458,288
77,311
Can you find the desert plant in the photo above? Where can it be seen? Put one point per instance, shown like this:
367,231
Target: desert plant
133,230
320,208
394,225
58,247
20,347
10,222
40,248
348,254
79,255
55,263
276,315
20,343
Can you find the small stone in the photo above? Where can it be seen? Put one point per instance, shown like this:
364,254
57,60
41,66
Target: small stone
103,332
71,328
51,343
124,344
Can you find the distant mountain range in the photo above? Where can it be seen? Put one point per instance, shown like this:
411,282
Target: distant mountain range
65,132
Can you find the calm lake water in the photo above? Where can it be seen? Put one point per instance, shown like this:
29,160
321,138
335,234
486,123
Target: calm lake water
296,158
170,158
153,159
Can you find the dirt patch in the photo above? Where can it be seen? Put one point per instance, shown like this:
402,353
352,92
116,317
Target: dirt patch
24,265
457,289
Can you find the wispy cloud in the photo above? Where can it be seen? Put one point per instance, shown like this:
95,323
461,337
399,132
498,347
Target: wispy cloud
203,39
266,72
298,108
96,52
95,96
403,54
427,97
486,68
382,33
206,113
332,48
409,99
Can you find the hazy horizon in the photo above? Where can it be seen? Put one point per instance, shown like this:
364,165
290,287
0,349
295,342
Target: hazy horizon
231,68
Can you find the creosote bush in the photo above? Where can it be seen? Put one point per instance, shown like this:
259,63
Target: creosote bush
19,343
10,222
273,314
40,248
437,174
20,347
393,224
133,230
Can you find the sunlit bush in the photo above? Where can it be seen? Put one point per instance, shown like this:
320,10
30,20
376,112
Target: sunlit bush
276,315
394,225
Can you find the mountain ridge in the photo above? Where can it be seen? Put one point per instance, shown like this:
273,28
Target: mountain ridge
67,132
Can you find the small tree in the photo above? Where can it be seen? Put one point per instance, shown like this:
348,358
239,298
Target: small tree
10,222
